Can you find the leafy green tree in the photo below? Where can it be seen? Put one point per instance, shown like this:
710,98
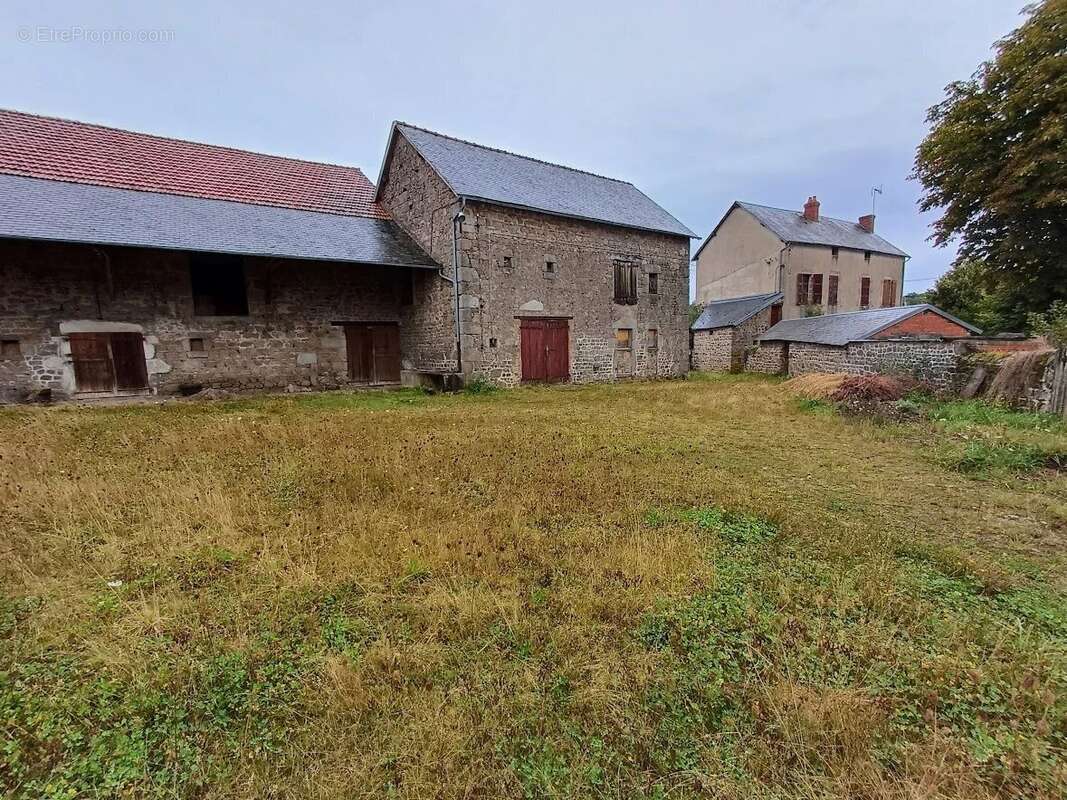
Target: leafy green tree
995,163
963,291
917,298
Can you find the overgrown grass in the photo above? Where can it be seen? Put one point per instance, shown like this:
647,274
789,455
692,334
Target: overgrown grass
958,414
678,589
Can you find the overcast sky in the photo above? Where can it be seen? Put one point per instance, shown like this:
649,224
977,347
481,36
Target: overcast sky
697,103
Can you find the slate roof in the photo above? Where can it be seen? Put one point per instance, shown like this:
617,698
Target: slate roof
476,172
792,228
75,212
850,326
733,311
78,152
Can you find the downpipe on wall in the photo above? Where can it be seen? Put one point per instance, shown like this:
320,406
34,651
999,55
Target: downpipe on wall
457,223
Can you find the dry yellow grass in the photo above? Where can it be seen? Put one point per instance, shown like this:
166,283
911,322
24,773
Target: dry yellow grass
815,385
522,594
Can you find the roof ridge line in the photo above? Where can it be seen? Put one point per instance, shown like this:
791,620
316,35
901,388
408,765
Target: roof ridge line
517,155
743,297
181,140
821,216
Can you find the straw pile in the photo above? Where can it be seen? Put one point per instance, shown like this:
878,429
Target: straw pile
816,385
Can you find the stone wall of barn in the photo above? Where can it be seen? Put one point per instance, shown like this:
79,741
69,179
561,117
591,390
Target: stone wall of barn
516,263
289,336
728,349
768,358
713,350
935,361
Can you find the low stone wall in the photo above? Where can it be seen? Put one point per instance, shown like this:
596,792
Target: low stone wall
935,361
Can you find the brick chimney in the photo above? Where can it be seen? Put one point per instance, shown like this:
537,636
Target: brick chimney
811,209
867,222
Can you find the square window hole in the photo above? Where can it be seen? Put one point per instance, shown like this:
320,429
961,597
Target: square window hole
196,345
9,348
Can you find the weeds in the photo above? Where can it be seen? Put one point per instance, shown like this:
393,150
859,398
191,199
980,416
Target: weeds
679,589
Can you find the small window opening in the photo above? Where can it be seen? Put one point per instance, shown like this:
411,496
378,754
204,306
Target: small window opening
218,285
550,267
492,341
9,348
653,339
624,339
505,262
835,252
196,345
653,283
867,256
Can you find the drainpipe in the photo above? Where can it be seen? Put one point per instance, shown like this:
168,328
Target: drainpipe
903,266
457,222
781,270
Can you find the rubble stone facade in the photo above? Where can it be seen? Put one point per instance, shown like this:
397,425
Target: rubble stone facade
517,263
290,335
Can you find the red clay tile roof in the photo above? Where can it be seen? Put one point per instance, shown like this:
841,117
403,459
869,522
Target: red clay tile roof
78,152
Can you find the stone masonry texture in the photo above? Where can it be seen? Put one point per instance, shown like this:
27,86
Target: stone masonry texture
505,275
288,337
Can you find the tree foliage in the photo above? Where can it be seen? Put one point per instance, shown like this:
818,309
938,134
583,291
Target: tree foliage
964,291
995,163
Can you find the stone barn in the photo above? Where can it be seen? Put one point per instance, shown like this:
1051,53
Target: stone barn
922,341
133,264
724,333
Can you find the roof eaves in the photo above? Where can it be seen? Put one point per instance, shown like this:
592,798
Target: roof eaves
491,201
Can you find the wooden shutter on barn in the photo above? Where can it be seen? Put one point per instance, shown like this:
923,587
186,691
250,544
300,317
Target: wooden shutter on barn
865,292
816,289
831,290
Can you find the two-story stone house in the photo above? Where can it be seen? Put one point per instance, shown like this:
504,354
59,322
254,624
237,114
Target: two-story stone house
136,264
821,265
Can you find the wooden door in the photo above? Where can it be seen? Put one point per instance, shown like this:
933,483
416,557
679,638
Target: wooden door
544,349
373,352
93,370
127,359
386,346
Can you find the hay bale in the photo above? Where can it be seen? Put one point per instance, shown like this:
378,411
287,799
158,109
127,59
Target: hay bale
815,385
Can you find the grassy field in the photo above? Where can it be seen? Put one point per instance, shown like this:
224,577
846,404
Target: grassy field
683,589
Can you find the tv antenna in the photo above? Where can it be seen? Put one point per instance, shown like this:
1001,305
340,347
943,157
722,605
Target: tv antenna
875,191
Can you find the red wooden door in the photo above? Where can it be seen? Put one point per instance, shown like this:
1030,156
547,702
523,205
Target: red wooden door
544,349
557,350
93,371
373,352
127,358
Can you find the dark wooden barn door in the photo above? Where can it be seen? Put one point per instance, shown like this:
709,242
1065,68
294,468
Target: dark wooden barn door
127,357
544,349
108,362
93,371
373,352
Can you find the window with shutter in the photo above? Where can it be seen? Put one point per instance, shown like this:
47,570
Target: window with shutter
889,293
816,289
865,292
803,288
831,291
625,283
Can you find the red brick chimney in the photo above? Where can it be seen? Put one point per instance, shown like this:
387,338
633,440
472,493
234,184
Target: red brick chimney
811,209
867,222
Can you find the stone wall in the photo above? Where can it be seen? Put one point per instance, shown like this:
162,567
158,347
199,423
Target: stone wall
728,349
768,358
288,337
713,350
505,275
934,361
